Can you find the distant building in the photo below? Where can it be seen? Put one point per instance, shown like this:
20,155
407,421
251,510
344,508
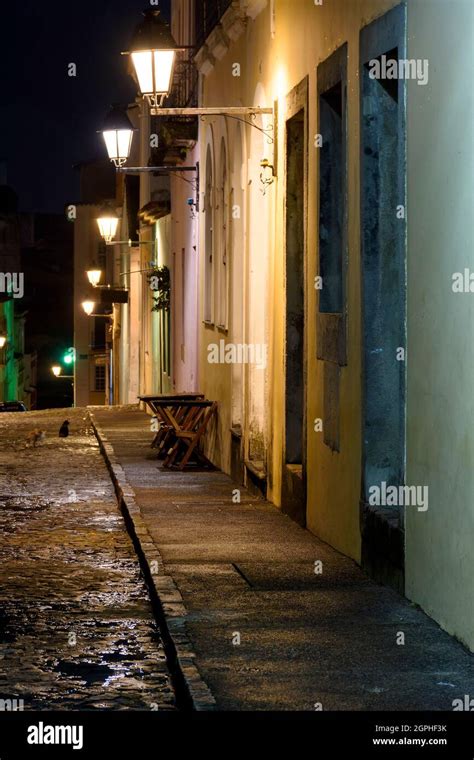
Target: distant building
47,263
92,338
17,368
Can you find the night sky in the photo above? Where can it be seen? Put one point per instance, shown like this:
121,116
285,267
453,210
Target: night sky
48,120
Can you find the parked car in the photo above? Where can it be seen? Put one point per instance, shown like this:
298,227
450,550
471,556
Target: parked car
12,406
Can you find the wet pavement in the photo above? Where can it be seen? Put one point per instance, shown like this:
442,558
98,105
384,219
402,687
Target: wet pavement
276,618
76,625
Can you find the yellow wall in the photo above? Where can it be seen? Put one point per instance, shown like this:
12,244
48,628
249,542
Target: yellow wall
304,36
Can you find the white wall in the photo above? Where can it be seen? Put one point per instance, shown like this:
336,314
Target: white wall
184,236
440,413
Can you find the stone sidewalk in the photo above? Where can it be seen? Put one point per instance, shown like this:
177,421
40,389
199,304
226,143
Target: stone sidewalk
266,630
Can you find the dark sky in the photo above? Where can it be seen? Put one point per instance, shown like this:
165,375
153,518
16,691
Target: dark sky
48,120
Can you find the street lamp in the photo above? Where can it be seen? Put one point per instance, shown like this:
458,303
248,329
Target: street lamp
108,222
88,307
118,133
94,275
3,340
153,51
57,372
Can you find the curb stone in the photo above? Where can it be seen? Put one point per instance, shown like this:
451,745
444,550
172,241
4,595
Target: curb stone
171,608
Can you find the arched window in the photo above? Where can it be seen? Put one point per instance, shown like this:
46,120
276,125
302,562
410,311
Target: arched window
223,264
208,238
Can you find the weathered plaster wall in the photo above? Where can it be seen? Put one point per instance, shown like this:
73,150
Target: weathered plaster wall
440,411
215,380
184,249
276,54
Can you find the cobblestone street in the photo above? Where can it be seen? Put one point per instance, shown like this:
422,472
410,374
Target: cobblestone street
76,625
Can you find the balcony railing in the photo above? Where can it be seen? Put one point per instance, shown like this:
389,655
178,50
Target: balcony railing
184,91
208,14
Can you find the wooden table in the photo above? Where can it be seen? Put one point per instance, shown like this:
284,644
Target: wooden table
183,419
155,403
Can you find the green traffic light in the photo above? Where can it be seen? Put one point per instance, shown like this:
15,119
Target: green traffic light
69,356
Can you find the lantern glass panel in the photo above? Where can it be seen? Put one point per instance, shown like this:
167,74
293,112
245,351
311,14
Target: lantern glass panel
154,69
118,143
94,276
142,60
164,60
88,307
108,227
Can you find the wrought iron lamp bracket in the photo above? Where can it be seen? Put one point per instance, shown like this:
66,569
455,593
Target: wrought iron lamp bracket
266,131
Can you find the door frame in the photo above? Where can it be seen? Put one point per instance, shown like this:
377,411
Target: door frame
293,488
383,539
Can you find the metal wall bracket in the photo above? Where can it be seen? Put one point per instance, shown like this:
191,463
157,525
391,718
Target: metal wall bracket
232,112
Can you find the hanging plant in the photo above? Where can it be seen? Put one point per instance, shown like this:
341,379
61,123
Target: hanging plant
160,282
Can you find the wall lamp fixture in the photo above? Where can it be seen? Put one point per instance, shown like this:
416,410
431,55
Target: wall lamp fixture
267,175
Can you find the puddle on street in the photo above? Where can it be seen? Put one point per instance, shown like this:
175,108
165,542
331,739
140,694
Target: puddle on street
88,672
